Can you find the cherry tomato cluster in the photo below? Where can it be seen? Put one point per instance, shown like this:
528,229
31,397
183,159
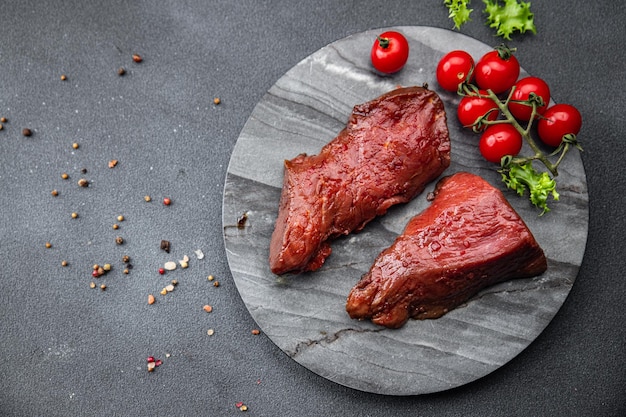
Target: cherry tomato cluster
504,122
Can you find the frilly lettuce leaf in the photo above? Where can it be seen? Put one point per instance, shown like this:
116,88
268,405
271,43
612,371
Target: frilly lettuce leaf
459,11
540,185
508,16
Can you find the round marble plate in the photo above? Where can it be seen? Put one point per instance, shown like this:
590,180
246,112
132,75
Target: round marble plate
304,315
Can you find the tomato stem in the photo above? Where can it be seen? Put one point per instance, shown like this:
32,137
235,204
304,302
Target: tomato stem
383,42
535,102
525,132
504,52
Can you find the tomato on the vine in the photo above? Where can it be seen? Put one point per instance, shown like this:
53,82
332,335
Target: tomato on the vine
500,140
497,70
453,69
390,52
522,92
558,121
472,108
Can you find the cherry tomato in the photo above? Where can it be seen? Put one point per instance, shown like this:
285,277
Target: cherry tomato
496,71
453,69
557,121
499,140
390,52
471,108
523,88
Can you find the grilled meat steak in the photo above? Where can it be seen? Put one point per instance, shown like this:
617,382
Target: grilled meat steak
467,239
390,149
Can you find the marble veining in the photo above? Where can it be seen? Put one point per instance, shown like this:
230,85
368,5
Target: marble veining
304,315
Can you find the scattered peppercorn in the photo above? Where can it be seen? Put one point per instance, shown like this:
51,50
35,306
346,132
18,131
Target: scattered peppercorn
137,58
165,245
83,182
3,120
26,132
125,259
126,271
1,126
63,263
115,226
216,101
54,193
119,240
83,170
153,363
216,283
63,77
121,71
241,221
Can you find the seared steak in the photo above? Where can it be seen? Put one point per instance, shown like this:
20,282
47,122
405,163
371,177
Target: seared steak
390,149
467,239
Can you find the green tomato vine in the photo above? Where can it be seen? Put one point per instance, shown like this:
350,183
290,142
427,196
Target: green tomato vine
518,172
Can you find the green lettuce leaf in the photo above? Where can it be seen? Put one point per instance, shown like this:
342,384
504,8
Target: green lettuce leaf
459,11
540,185
508,16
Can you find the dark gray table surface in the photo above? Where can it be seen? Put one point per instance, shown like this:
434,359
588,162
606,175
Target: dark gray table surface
69,350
